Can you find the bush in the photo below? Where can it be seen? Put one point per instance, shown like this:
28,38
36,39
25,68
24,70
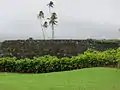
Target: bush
48,63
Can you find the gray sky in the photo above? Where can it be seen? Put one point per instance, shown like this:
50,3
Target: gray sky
77,18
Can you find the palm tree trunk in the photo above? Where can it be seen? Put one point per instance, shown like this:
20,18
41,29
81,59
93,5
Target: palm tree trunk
42,29
52,31
43,34
49,10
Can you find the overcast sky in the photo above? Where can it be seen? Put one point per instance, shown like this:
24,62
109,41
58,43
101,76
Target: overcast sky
77,18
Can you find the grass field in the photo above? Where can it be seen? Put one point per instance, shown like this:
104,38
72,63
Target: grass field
84,79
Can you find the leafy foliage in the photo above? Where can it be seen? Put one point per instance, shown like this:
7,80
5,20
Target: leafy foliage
49,63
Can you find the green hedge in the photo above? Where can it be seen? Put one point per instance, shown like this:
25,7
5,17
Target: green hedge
47,64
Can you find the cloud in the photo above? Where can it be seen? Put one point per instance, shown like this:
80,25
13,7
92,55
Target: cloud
77,18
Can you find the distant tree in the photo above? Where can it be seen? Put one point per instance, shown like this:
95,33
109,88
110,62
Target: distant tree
41,17
45,25
53,21
50,5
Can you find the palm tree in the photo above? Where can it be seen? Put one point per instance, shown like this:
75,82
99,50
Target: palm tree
53,22
50,5
45,26
41,16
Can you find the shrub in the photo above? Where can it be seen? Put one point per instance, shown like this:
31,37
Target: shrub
48,63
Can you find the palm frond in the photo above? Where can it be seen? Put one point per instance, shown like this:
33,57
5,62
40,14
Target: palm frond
41,14
48,18
45,25
50,4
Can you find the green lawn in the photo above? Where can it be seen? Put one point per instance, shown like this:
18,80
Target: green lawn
84,79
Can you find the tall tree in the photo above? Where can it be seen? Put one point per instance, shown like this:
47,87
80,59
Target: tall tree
50,5
53,21
41,17
45,26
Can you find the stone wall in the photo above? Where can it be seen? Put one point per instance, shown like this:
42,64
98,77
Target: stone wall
60,48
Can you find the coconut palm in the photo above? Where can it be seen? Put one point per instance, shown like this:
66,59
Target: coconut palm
41,16
45,25
53,22
50,5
